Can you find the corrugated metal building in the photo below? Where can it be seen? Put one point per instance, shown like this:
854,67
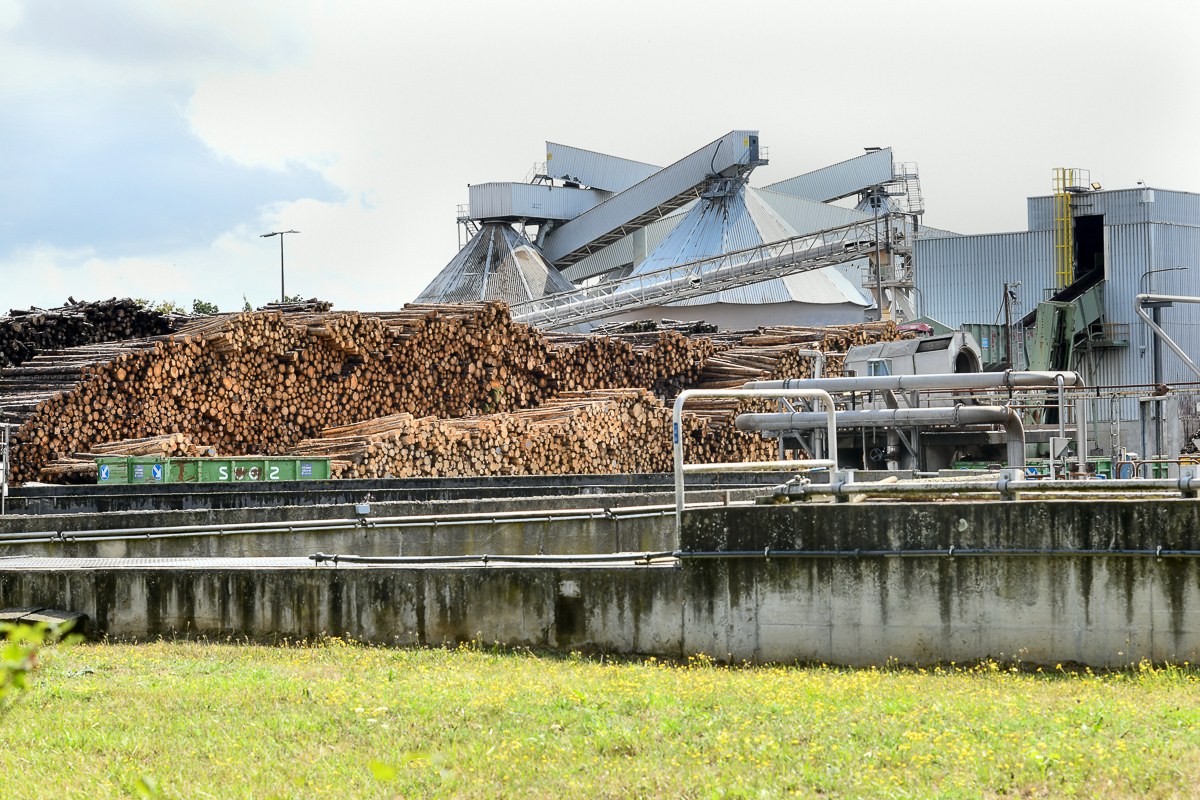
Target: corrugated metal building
497,264
960,279
734,218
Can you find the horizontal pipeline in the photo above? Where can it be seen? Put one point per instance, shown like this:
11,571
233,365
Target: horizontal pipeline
1003,486
766,554
949,552
634,558
429,521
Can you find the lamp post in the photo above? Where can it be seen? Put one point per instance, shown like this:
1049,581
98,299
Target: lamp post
280,234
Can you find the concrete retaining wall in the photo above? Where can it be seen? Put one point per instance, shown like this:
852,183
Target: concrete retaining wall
1103,611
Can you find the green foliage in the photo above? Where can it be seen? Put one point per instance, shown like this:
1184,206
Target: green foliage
293,298
246,304
342,720
165,307
19,650
201,307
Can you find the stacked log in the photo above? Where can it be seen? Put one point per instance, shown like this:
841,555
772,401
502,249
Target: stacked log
260,383
81,467
312,305
605,431
774,353
24,333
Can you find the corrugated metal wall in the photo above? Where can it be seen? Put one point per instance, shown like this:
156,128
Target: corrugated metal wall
1122,207
532,200
839,180
961,278
595,169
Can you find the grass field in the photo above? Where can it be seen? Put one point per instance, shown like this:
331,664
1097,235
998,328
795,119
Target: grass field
196,720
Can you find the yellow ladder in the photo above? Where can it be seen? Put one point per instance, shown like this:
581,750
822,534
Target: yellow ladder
1064,242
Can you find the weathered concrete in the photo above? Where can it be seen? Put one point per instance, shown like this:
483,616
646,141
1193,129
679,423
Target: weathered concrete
169,497
1100,610
612,534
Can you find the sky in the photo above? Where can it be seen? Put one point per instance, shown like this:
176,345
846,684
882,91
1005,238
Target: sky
145,146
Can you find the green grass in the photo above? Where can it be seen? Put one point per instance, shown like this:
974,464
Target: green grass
195,720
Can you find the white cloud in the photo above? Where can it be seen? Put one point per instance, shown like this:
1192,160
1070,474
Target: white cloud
400,105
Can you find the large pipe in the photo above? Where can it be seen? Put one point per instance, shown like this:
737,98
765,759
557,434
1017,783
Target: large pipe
1159,332
959,415
1010,379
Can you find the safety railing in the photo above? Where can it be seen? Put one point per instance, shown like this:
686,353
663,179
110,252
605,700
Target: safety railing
746,466
5,447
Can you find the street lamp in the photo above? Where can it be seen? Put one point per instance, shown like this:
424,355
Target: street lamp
280,234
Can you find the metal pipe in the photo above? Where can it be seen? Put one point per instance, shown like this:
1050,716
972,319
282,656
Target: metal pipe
1062,407
989,486
948,552
1159,332
1081,434
677,435
637,558
765,554
430,520
959,415
973,380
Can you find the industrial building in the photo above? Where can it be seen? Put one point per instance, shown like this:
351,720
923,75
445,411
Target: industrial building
638,241
1068,286
602,219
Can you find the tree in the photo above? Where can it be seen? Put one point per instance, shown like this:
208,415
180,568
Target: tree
201,307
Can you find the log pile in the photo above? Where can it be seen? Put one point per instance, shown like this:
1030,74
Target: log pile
24,333
312,305
81,467
261,383
605,431
773,353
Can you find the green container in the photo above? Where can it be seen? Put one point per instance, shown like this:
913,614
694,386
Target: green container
146,469
112,470
143,469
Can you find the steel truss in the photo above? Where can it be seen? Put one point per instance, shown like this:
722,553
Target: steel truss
697,278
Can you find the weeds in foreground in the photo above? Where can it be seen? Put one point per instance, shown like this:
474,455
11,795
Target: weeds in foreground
195,719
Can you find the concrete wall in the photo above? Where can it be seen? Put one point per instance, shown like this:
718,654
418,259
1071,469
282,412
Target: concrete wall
1100,610
92,499
623,531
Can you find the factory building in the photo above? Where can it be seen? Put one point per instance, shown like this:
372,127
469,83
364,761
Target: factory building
600,219
1067,286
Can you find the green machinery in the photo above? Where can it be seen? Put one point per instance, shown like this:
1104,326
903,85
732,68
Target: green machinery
1065,331
148,469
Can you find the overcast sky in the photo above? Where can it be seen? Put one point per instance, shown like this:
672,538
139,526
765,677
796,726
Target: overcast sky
145,145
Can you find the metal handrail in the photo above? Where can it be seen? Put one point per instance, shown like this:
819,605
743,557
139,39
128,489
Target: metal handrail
677,436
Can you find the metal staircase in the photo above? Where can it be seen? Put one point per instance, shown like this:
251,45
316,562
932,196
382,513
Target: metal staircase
909,181
825,248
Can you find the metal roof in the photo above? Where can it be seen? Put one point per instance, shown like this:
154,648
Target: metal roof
620,253
497,264
805,215
735,221
644,202
531,201
594,169
840,180
1122,206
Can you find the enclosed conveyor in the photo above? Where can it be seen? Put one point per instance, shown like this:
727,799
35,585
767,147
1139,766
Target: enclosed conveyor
648,200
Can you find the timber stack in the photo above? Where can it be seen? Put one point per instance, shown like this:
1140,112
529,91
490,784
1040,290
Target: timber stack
263,382
81,467
24,333
604,431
